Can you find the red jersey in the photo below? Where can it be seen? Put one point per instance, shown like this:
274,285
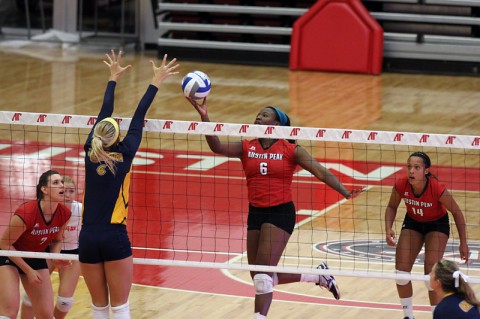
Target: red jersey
269,172
426,207
38,233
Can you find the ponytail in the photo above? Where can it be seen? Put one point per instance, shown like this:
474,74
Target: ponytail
105,134
454,281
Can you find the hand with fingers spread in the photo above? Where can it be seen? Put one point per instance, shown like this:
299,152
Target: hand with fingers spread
165,70
201,108
116,70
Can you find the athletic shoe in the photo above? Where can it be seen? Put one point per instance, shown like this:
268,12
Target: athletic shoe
330,280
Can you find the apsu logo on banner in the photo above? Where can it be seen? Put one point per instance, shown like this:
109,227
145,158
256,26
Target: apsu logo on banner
372,250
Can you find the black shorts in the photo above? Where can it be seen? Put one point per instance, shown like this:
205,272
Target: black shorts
69,251
441,225
100,243
34,263
282,216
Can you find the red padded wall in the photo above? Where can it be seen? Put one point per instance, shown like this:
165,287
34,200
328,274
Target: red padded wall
337,35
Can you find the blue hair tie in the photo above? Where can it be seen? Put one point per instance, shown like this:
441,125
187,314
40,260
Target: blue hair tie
283,117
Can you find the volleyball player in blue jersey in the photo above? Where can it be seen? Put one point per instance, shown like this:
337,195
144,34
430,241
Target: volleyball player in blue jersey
457,299
105,251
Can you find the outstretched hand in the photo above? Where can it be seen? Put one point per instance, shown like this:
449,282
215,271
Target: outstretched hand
163,71
201,108
116,70
355,192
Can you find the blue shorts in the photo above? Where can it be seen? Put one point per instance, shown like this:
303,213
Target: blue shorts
34,263
282,216
441,225
100,243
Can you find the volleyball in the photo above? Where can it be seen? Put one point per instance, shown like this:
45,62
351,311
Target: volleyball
196,85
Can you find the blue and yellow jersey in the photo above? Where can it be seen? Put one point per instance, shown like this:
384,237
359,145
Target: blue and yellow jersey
454,306
106,195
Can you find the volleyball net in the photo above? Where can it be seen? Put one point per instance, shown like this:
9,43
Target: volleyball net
188,206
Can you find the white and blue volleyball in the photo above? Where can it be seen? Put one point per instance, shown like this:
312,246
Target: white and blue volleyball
196,85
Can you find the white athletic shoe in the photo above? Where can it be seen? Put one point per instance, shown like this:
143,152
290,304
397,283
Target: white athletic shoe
331,284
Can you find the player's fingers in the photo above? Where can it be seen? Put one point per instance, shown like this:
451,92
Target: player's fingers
171,62
109,58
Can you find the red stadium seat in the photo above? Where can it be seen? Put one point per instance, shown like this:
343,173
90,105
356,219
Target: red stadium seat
338,36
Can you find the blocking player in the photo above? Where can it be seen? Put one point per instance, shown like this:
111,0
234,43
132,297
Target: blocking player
105,251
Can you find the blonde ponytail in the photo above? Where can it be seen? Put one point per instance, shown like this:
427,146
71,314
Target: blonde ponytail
105,134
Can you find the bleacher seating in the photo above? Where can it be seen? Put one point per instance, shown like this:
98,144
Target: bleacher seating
443,32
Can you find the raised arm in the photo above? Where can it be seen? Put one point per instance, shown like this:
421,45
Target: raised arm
452,206
166,69
116,71
229,149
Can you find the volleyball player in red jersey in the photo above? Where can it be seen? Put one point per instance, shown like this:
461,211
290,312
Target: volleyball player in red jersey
68,276
269,165
35,226
426,222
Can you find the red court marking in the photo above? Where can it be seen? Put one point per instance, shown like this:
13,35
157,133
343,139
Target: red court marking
174,209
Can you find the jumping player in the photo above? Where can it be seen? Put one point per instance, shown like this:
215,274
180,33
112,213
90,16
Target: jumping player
426,222
105,251
271,217
35,226
457,299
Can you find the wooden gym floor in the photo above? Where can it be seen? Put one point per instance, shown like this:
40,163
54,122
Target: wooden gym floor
40,77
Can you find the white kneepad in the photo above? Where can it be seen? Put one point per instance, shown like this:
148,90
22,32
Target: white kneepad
263,284
64,304
402,282
25,300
